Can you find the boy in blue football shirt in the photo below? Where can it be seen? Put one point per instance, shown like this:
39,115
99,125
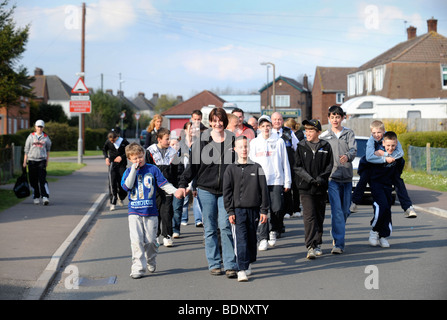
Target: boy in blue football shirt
140,181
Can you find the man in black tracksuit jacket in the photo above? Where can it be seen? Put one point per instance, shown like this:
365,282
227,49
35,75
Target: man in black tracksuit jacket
312,168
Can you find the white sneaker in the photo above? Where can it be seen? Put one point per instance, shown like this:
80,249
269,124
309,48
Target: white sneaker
112,207
384,243
45,201
36,201
287,216
167,242
353,207
151,268
310,253
263,245
248,271
242,276
176,235
272,236
410,213
373,238
318,251
184,223
296,215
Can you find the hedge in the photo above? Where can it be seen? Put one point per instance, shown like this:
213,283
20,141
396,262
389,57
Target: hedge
63,137
437,139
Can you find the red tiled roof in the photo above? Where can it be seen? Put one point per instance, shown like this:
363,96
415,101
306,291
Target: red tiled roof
333,79
429,47
200,100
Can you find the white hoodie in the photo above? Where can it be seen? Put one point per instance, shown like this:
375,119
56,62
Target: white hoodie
271,154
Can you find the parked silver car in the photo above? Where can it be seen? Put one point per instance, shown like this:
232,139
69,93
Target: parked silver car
361,151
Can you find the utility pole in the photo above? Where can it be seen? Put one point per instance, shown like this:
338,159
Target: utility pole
81,140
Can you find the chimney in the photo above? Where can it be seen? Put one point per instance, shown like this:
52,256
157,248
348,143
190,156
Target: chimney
432,25
305,82
109,91
411,32
38,72
141,94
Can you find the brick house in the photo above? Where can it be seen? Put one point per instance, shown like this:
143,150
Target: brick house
179,114
15,117
51,89
293,99
415,68
329,89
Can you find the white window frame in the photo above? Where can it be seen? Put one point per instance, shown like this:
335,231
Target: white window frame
378,78
369,80
351,85
339,97
282,100
443,74
360,83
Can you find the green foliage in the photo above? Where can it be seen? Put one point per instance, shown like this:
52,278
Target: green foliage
437,139
50,112
14,82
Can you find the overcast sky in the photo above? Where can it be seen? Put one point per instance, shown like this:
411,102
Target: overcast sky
181,47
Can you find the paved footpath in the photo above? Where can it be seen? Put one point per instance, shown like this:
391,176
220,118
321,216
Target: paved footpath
35,240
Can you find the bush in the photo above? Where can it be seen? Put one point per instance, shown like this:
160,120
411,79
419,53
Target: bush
437,139
63,137
7,139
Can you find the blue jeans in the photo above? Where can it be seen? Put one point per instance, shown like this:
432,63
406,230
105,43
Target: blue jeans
181,211
340,199
215,217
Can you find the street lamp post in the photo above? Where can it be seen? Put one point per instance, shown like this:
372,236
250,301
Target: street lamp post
274,84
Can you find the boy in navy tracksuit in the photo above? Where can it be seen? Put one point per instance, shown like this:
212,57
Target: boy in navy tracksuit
246,200
375,153
381,182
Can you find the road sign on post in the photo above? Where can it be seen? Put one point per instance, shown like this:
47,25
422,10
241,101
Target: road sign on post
79,87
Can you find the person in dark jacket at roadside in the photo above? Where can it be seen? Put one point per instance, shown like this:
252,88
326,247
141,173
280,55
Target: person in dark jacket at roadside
114,152
246,200
312,168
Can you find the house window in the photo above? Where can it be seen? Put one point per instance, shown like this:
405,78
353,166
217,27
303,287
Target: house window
351,85
378,78
340,97
282,101
360,83
369,80
444,77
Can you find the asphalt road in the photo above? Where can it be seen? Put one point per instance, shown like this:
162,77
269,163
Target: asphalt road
414,267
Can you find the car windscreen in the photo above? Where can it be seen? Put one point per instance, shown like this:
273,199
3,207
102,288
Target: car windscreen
361,147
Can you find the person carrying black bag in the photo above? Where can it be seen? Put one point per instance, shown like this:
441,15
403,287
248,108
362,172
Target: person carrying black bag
37,152
21,187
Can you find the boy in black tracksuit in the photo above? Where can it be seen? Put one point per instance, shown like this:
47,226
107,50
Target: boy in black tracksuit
166,159
115,157
245,195
381,180
313,166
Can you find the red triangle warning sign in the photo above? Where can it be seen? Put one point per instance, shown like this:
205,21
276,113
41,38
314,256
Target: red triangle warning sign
79,87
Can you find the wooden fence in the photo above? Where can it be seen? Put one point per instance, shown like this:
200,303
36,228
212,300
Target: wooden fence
361,125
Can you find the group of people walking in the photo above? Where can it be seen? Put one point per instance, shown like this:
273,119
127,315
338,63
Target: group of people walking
245,180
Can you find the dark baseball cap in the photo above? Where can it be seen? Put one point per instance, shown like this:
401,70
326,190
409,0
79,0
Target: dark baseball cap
314,123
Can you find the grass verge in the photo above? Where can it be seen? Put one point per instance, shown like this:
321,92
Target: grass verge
422,179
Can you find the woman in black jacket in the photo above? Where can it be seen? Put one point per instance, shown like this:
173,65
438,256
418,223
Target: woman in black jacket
209,158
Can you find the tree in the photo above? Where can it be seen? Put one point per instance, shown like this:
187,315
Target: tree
14,81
